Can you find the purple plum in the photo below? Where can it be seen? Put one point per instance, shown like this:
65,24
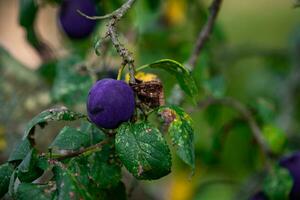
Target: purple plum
292,163
73,24
110,102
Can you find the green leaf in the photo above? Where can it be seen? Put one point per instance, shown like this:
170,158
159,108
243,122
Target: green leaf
105,170
43,163
181,73
70,139
31,191
278,184
6,171
96,134
70,86
68,187
28,171
143,150
27,12
275,138
107,185
11,186
81,167
20,151
181,132
54,114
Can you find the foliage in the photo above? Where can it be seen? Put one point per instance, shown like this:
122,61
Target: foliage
240,131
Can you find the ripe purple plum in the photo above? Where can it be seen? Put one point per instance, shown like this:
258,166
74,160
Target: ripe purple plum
110,102
73,24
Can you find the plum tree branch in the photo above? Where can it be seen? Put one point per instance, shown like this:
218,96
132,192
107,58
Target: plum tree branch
124,53
93,148
205,32
245,113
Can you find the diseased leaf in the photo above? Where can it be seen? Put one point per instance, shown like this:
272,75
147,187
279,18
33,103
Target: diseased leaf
6,171
68,187
100,178
278,184
181,132
70,139
80,167
181,73
31,191
20,151
143,150
53,114
105,170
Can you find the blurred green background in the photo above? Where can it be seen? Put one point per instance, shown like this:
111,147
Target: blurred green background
253,55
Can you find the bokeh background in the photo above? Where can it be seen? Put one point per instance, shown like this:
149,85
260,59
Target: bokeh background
253,56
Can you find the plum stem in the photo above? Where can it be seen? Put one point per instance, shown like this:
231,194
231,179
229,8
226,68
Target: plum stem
124,53
120,71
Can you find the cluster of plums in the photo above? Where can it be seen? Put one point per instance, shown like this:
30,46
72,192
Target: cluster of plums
74,25
292,164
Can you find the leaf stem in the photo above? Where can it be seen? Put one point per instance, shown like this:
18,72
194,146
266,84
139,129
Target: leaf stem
120,72
88,150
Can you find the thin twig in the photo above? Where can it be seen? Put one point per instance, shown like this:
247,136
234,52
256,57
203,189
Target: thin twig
92,148
205,32
124,53
246,114
119,12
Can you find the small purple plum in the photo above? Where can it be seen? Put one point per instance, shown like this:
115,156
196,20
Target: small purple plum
110,102
292,163
73,24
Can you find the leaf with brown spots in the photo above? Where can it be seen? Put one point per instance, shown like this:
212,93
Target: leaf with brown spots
143,150
181,132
